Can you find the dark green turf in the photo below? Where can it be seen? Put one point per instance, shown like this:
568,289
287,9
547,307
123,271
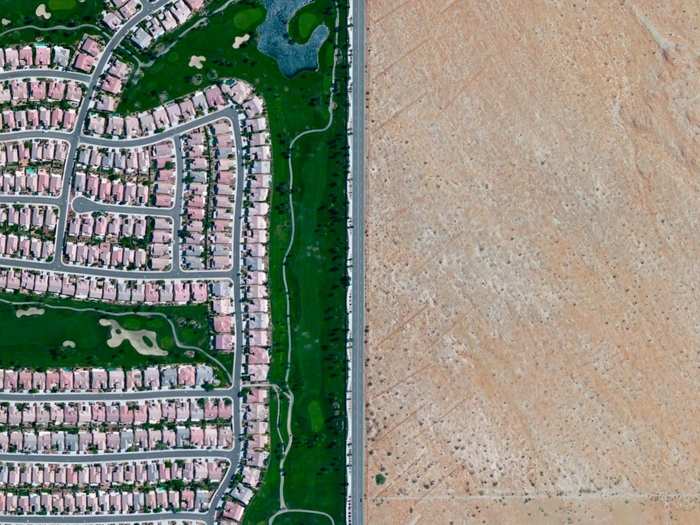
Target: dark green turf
305,21
37,341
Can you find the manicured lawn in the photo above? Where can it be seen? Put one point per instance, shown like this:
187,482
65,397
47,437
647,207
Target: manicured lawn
61,5
298,518
248,17
37,341
305,21
69,13
315,467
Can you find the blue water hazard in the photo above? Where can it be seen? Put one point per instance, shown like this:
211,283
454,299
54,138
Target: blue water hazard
274,40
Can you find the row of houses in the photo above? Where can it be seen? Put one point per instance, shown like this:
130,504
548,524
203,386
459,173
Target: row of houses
254,238
18,92
53,118
208,197
118,12
169,17
27,231
222,314
256,453
105,502
26,247
256,323
89,51
109,413
129,291
32,167
161,117
97,441
36,56
142,177
102,380
133,473
111,85
34,218
129,163
43,181
35,151
112,240
222,318
103,189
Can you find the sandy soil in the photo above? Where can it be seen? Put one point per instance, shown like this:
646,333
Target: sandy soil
42,12
144,341
29,312
197,61
533,214
240,40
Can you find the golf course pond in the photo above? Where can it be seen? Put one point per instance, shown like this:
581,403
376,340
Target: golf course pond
274,39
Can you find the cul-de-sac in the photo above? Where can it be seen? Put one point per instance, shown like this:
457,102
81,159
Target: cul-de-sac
176,222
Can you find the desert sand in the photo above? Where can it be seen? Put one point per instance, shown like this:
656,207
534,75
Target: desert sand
533,248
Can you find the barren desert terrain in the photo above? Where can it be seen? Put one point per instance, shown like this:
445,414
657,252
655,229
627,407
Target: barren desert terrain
533,262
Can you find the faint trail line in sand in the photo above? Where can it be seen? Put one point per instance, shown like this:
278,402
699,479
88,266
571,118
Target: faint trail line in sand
551,496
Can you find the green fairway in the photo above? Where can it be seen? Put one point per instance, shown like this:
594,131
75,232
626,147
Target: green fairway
64,338
61,5
305,21
315,416
299,518
68,21
248,17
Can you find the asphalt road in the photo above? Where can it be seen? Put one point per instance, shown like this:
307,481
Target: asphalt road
358,290
45,73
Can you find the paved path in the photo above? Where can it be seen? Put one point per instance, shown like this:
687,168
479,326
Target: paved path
25,397
82,204
45,73
235,455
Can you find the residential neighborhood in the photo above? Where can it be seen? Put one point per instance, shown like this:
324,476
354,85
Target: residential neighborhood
134,215
32,167
172,15
130,177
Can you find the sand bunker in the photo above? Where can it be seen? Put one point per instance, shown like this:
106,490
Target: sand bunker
68,344
197,62
143,341
240,40
28,312
42,12
6,22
